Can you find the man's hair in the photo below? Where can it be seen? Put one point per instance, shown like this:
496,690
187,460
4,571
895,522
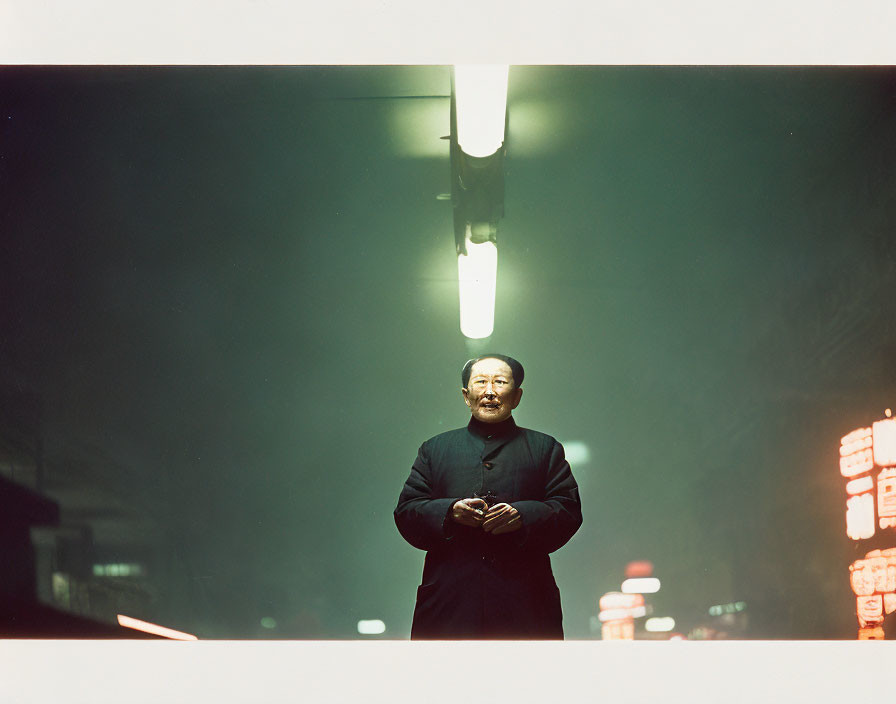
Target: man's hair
515,367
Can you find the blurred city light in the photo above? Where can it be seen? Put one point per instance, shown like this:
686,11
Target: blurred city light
371,627
153,628
618,600
118,570
268,622
641,585
731,608
621,614
659,625
481,98
618,630
639,568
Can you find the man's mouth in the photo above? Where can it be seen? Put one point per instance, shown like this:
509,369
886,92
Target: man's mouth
489,405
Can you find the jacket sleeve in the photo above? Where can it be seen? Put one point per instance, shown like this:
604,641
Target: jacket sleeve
549,524
421,518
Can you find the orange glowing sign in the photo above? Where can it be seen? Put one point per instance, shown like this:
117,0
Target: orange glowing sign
860,485
873,580
617,614
860,516
618,630
884,435
871,633
886,497
871,503
870,610
856,455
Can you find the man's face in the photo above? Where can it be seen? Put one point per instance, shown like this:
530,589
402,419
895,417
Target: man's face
491,393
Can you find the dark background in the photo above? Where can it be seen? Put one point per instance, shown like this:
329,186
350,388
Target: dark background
231,295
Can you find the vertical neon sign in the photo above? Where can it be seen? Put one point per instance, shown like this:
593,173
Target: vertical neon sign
868,461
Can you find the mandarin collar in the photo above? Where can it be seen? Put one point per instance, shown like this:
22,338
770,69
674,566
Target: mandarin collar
486,430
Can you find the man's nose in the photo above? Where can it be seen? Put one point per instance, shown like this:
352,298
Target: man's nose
490,389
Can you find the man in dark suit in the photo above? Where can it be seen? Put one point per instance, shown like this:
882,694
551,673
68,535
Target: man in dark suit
488,503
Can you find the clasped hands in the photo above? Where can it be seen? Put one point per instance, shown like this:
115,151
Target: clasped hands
475,513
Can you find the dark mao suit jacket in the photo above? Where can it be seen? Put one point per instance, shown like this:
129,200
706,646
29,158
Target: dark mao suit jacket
478,585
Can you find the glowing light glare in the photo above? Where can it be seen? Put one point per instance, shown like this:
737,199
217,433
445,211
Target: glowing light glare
157,630
641,585
371,627
884,434
477,273
268,622
481,101
659,625
576,452
639,568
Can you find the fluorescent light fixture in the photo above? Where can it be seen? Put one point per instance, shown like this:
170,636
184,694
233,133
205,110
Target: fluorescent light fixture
139,625
477,273
372,627
481,101
659,625
641,585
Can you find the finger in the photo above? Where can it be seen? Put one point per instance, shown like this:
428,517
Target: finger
501,519
476,513
491,524
476,503
495,516
511,525
498,508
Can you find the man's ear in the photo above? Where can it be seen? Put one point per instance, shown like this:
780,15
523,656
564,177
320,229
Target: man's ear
466,395
517,395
